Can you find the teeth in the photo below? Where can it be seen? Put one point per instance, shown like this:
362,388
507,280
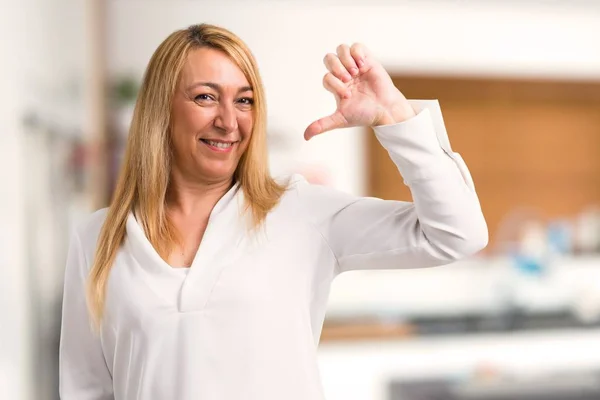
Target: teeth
219,144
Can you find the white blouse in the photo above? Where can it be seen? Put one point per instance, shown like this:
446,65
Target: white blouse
244,321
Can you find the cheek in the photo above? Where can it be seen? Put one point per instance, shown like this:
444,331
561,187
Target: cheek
245,124
189,119
180,137
183,130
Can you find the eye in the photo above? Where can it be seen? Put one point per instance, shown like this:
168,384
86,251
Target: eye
247,101
203,97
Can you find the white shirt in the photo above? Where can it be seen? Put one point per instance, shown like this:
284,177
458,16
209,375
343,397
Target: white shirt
244,322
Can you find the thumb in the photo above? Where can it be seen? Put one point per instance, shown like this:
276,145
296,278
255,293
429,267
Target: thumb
331,122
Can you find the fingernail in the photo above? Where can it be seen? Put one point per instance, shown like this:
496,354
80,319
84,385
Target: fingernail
353,71
347,77
360,62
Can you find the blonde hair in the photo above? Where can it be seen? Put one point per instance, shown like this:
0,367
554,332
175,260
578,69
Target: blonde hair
145,171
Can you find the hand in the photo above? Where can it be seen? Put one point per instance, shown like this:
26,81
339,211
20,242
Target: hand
363,90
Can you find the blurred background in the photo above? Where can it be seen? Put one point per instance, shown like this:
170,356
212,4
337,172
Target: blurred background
519,86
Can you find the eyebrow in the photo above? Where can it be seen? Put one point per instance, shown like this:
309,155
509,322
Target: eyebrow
217,87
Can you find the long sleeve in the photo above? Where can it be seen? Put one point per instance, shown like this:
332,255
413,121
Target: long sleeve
84,374
445,223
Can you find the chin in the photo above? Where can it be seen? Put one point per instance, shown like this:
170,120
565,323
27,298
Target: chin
218,173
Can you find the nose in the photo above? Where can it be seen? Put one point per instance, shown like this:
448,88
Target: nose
226,119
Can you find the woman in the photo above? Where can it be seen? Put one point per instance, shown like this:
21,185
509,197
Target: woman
207,279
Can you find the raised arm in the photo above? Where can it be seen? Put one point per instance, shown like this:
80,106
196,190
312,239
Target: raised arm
445,222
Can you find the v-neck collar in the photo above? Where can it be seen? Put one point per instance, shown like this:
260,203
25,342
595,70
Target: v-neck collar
224,231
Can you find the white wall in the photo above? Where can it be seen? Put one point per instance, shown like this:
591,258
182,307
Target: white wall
12,308
41,43
290,38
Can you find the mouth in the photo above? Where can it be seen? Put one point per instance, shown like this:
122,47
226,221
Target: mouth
218,145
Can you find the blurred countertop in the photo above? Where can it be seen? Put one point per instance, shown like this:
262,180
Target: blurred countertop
474,295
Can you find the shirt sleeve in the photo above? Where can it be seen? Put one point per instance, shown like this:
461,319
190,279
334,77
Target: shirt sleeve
83,372
445,223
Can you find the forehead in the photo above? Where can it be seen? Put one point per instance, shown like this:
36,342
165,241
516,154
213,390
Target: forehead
211,65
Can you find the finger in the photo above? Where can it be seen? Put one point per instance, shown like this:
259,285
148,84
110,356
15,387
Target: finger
335,86
335,66
343,52
361,55
333,121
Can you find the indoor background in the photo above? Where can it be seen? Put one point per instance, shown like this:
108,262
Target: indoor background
519,86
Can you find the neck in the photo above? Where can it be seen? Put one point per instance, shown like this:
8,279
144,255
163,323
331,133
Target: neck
195,198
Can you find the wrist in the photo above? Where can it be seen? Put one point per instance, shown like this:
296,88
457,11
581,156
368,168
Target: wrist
397,113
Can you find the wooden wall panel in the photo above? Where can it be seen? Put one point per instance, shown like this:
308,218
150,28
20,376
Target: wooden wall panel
528,144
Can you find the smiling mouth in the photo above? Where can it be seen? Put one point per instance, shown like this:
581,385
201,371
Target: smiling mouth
220,145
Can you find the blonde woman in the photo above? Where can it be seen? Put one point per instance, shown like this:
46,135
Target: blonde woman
207,279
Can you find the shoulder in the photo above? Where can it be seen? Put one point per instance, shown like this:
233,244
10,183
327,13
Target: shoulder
88,229
314,198
297,187
290,181
298,184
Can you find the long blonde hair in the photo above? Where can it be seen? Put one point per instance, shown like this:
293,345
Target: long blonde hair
145,171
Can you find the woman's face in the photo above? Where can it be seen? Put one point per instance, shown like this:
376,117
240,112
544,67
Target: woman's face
211,117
